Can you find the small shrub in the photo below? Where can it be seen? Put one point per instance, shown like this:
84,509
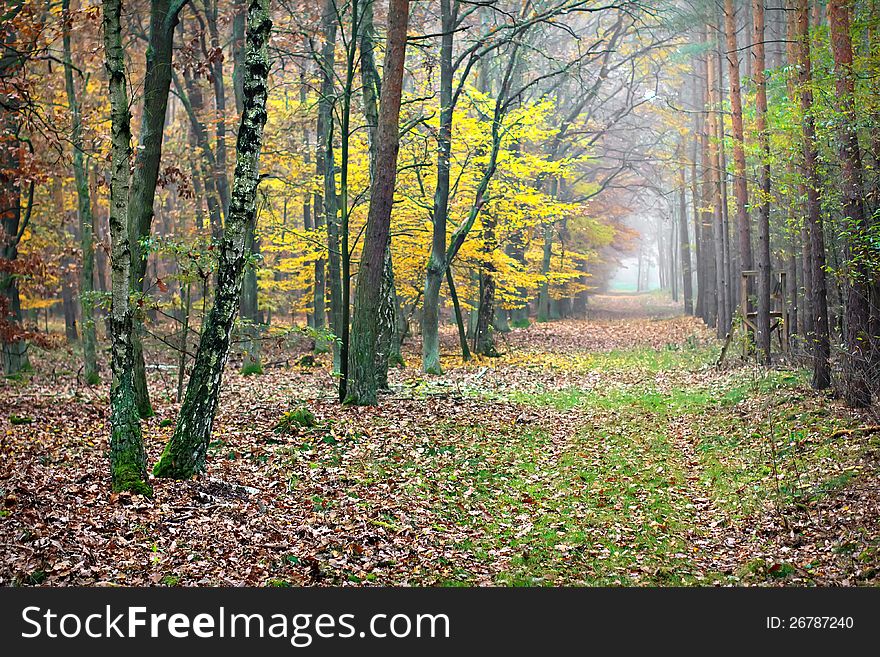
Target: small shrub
170,580
299,417
252,368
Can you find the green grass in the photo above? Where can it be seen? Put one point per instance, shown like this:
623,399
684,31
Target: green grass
613,502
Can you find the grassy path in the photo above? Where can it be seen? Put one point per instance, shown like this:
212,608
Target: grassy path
600,452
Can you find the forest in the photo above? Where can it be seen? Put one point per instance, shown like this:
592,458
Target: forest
440,292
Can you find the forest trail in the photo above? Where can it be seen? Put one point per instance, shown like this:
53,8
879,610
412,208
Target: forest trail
601,451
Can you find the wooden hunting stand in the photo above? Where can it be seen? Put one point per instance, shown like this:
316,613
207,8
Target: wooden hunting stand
779,320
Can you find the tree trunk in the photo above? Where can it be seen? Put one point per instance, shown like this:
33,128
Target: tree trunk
362,376
858,275
795,200
190,94
239,16
344,327
730,290
721,302
157,83
820,338
14,347
484,344
184,455
740,190
327,167
66,265
459,319
127,457
437,260
762,337
544,288
248,310
325,202
699,304
84,211
685,254
371,85
308,221
712,292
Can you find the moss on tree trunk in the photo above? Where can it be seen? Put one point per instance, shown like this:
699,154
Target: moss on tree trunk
184,455
127,458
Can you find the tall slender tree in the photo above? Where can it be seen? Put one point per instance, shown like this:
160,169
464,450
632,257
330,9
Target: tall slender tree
685,244
762,337
164,15
740,191
858,275
363,369
820,339
84,210
184,455
127,458
437,260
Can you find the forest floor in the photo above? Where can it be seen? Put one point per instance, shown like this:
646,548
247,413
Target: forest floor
606,451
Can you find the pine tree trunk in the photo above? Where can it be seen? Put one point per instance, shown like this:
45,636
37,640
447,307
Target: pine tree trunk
184,455
819,337
710,301
685,244
721,302
762,336
371,85
740,190
127,458
362,381
858,276
795,214
730,290
699,303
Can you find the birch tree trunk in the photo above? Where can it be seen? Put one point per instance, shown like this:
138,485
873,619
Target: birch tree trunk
184,455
